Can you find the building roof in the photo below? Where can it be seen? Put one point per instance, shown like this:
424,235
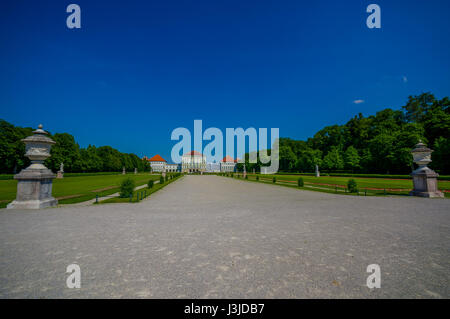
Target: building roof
194,153
228,159
156,158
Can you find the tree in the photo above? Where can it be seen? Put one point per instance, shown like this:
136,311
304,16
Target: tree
333,160
287,159
352,158
441,155
66,151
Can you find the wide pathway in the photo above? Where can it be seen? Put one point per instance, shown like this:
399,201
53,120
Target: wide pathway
217,237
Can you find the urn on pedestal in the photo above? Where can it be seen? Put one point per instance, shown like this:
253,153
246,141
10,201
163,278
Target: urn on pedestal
424,178
34,183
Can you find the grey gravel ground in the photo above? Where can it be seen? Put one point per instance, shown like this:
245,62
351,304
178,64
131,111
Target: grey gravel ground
215,237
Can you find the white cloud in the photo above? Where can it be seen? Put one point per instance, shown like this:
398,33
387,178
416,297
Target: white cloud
358,101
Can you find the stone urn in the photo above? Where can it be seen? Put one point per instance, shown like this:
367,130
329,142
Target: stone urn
34,183
424,178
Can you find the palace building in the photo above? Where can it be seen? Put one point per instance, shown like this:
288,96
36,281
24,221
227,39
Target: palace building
159,164
228,164
193,162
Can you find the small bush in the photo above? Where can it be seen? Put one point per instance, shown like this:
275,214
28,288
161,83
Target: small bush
161,180
257,177
300,182
352,186
126,188
150,183
246,176
274,180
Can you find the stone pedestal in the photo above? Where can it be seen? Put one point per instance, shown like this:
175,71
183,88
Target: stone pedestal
317,171
34,184
424,178
34,189
425,183
59,174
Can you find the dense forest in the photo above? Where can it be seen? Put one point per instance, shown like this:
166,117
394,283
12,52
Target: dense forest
66,150
379,143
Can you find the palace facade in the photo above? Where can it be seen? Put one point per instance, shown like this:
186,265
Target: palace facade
192,162
159,164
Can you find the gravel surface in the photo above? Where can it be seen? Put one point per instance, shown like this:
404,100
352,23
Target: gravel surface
217,237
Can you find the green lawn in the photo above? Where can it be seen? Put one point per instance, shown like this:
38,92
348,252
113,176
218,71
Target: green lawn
331,183
139,193
77,189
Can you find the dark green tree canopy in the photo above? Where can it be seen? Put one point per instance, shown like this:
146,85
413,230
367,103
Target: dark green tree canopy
66,150
380,143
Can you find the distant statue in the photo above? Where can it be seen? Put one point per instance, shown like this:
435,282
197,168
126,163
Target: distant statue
317,171
60,173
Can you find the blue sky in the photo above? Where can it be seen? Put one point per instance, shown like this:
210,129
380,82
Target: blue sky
136,70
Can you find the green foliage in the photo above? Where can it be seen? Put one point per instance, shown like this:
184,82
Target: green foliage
300,182
126,187
351,158
150,183
352,186
441,154
274,179
257,177
379,144
161,180
333,160
67,151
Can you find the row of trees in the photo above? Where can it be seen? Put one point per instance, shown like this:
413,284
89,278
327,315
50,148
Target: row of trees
379,143
67,151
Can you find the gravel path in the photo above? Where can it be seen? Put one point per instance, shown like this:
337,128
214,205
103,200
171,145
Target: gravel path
217,237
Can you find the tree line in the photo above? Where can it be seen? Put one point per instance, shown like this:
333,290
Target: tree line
380,143
66,150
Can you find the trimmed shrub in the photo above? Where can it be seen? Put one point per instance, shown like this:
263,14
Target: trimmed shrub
352,186
274,180
126,188
246,176
300,182
150,183
257,177
161,180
